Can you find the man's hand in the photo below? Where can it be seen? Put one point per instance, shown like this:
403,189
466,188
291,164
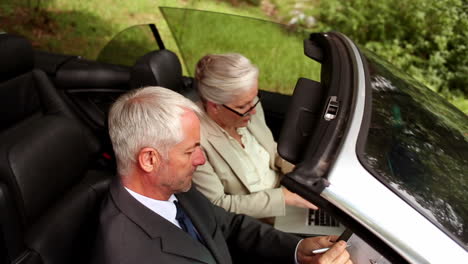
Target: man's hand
295,200
337,253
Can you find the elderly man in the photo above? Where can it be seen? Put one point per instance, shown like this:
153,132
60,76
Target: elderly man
153,215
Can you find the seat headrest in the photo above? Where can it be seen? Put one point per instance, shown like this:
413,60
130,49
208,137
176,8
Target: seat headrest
17,56
20,100
29,94
40,158
158,68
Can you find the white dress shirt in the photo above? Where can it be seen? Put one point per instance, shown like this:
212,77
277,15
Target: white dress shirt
255,161
165,209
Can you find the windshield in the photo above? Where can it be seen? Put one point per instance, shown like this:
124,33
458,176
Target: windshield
129,45
276,49
417,145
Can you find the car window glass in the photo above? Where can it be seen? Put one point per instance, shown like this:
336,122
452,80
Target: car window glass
418,145
275,48
129,45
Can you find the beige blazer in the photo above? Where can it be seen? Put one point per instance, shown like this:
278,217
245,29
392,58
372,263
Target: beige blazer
222,180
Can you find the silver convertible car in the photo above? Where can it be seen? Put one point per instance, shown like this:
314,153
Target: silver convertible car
381,153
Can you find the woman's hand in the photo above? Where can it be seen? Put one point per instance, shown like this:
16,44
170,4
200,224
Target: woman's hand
293,199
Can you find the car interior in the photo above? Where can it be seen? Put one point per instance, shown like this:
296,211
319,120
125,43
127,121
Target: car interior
50,176
56,157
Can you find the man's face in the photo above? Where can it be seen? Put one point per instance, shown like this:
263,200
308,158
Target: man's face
183,158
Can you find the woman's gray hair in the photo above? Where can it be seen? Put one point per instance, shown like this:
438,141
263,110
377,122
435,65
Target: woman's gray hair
146,117
221,77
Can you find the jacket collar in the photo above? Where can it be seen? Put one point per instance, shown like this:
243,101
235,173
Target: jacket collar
255,127
173,239
214,135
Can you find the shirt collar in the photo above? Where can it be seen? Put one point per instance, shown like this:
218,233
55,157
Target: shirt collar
166,209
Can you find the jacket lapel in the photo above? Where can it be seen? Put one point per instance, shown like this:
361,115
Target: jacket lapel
178,242
218,140
173,240
199,221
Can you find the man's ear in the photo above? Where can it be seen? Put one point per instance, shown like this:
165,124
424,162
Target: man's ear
149,159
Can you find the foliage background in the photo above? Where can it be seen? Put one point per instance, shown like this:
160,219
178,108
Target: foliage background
426,38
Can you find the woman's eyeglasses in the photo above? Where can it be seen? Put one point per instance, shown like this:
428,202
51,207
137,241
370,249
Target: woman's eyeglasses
246,112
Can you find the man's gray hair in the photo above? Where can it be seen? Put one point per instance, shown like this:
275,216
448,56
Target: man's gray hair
146,117
221,77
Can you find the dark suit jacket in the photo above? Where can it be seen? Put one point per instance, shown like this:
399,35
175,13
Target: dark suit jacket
131,233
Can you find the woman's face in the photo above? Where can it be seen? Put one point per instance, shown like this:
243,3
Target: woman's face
238,112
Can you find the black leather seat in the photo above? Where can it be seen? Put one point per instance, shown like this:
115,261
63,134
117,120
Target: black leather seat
41,160
49,194
25,91
16,55
66,233
162,68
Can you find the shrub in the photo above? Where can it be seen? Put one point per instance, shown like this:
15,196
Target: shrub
426,38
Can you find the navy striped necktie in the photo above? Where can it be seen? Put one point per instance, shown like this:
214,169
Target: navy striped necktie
186,224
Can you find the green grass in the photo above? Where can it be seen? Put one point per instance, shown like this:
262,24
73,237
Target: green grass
461,103
85,27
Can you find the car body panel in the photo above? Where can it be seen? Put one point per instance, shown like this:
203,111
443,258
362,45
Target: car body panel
354,190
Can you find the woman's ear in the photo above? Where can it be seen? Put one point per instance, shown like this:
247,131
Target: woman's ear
149,159
212,107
